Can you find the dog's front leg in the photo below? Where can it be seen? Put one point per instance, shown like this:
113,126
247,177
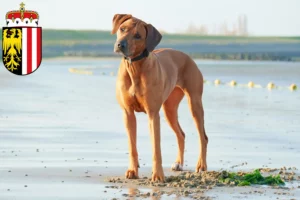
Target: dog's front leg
130,124
154,125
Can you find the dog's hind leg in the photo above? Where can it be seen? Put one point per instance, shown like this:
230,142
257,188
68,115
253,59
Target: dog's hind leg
193,89
170,108
196,107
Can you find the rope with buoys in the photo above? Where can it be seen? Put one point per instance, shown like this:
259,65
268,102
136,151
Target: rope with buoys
251,84
217,82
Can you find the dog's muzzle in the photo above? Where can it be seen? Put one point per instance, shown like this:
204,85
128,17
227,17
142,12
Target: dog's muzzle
121,46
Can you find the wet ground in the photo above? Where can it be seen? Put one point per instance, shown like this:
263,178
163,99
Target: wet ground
62,136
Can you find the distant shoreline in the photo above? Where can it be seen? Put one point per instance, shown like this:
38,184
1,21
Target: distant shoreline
80,58
58,44
67,58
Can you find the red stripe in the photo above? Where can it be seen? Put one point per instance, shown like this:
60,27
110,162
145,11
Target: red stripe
38,48
29,50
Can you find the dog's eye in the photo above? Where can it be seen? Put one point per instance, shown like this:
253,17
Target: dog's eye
137,36
122,29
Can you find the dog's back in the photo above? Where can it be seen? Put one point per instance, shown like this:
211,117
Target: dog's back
179,63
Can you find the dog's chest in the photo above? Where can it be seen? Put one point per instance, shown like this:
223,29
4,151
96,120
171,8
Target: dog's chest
133,97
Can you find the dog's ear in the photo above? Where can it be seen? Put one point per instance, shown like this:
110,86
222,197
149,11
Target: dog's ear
118,20
153,37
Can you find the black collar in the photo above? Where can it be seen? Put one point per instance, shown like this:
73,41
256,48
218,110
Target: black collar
144,54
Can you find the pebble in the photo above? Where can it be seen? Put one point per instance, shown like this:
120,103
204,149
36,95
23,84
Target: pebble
186,193
154,194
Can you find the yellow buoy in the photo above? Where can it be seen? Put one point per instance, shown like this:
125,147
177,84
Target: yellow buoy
271,85
233,83
112,73
293,87
217,82
251,84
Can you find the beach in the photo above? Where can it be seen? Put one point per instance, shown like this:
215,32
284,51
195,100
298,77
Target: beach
62,134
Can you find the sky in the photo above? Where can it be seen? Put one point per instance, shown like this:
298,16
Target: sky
265,17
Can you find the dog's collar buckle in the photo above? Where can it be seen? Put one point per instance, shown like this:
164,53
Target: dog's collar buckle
144,54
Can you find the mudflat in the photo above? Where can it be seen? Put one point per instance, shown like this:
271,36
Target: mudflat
62,135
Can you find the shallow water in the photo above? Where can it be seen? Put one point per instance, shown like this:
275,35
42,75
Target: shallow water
64,121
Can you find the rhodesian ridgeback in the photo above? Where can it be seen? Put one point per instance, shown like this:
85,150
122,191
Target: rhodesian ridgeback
149,79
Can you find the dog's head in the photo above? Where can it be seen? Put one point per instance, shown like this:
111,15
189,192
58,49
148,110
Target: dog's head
134,35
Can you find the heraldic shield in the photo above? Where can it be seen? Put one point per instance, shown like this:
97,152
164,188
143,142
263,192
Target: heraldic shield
22,49
22,41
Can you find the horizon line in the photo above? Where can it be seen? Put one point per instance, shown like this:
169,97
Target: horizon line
173,33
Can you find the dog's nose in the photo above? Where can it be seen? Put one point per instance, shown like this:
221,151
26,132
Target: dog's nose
122,44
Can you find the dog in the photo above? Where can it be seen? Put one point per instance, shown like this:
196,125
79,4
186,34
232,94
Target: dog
149,79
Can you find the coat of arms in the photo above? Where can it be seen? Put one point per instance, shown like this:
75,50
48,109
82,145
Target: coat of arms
22,41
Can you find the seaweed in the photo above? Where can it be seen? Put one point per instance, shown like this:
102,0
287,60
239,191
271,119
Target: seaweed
246,179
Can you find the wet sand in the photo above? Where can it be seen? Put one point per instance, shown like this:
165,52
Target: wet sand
62,136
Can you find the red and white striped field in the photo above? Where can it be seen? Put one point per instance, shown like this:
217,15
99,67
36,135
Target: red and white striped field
31,49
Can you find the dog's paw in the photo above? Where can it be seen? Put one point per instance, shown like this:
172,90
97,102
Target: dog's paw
177,167
158,175
201,166
131,174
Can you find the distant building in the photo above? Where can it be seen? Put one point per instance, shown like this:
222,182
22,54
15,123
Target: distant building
242,25
240,28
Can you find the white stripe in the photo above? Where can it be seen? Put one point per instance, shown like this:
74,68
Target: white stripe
34,48
24,50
